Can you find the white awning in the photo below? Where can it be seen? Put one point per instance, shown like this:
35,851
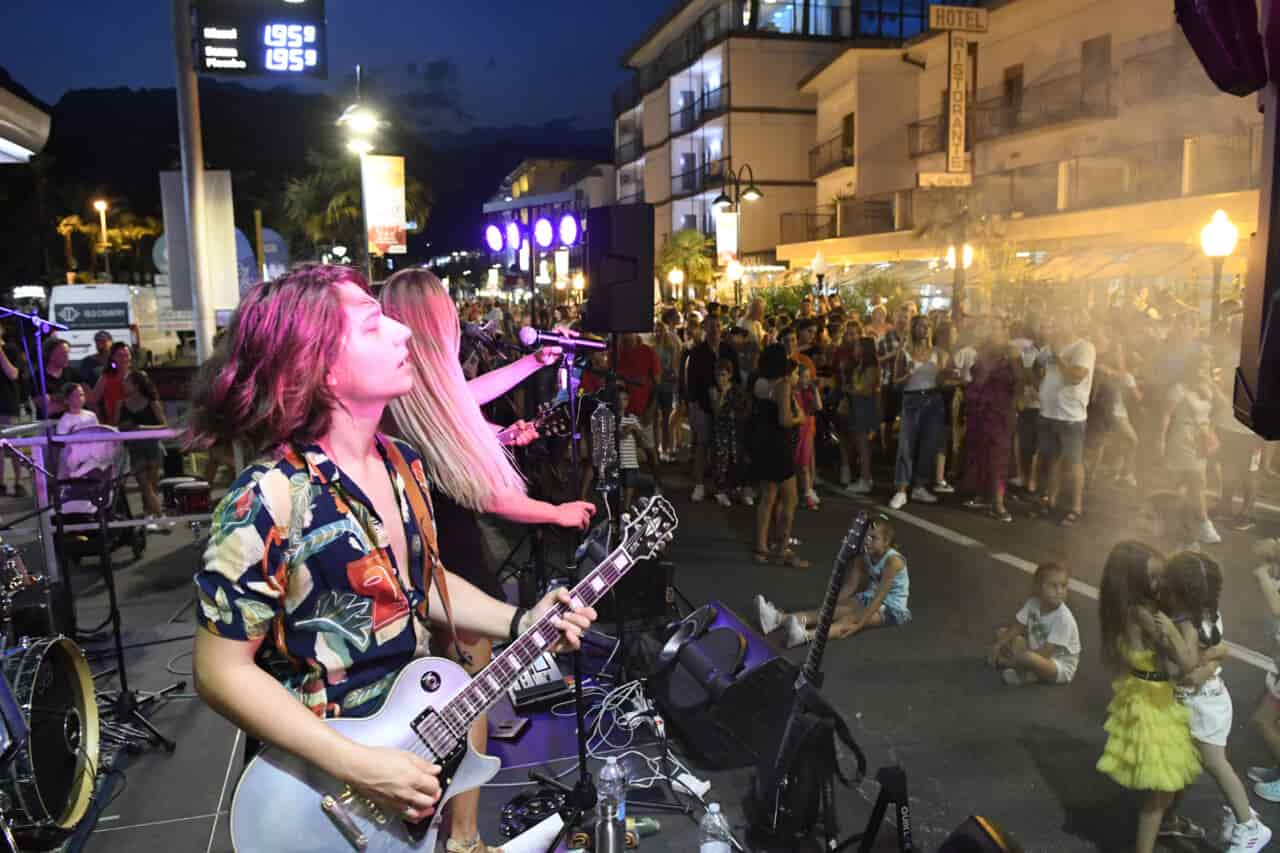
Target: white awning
24,128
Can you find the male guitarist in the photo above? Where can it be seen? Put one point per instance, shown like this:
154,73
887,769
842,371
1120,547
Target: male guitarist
317,586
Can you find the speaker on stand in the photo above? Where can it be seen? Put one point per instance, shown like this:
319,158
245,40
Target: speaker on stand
619,269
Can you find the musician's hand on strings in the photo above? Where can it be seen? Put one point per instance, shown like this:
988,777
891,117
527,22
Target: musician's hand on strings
407,781
576,514
546,356
522,433
571,623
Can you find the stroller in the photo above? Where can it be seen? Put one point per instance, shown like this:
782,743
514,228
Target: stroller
90,474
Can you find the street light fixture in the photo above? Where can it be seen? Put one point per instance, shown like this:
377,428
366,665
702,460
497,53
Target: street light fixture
819,267
1218,240
100,205
676,279
734,181
967,255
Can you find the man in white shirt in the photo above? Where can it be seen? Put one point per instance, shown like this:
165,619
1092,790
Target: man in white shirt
1064,405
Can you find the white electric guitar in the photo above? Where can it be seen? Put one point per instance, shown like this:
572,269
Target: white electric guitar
285,805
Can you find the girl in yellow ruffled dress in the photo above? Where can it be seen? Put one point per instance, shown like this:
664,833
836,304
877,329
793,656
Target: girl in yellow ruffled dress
1149,746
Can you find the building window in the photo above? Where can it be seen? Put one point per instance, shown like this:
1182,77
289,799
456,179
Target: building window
846,137
779,16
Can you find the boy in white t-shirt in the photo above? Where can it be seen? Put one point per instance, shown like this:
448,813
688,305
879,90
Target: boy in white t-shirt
1043,644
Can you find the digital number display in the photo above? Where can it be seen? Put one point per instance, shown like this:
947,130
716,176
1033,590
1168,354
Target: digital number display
261,38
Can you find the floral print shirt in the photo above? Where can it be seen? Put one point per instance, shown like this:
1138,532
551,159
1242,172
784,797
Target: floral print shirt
297,555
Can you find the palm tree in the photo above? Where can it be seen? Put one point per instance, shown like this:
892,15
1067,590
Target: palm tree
324,206
689,250
68,227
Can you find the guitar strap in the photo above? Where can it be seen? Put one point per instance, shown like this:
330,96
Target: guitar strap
419,504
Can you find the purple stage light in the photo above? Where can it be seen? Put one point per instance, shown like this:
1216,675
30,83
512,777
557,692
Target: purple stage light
493,238
568,229
542,233
513,236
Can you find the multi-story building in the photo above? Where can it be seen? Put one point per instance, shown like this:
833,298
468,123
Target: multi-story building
715,88
1093,134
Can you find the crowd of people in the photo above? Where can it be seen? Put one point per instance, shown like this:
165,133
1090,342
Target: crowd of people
1049,406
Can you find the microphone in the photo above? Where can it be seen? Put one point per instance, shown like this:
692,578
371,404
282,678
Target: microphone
531,337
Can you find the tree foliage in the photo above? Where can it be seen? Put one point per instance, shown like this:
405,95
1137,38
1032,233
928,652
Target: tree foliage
692,251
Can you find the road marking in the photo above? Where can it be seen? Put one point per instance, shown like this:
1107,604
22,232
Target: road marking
936,529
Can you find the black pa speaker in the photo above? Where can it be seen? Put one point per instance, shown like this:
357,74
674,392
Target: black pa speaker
645,594
619,269
737,727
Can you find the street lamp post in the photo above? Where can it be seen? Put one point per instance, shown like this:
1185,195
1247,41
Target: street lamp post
740,194
101,206
361,124
819,267
735,272
1218,240
676,279
958,278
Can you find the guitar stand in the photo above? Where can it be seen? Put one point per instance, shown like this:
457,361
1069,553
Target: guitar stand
893,790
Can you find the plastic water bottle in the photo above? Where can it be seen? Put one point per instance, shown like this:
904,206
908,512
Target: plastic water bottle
714,832
613,786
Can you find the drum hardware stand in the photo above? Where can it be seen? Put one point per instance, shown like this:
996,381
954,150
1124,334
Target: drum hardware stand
62,599
127,705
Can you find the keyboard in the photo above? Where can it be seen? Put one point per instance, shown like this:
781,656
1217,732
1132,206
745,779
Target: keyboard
541,682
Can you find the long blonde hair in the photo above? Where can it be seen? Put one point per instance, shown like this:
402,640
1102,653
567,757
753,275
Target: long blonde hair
439,416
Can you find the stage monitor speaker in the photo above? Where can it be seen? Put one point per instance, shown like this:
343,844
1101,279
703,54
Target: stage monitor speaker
619,269
979,835
736,729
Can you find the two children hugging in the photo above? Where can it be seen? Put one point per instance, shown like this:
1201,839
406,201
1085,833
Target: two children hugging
1170,713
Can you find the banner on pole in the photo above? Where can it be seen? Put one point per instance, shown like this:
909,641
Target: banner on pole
726,236
957,100
382,187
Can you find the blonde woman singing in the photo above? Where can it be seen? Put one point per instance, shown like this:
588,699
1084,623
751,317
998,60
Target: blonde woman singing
469,470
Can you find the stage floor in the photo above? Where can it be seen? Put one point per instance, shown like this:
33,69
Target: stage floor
917,696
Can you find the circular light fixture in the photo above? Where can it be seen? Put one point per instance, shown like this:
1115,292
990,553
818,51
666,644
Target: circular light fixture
100,205
1218,238
493,238
722,202
542,233
568,229
752,193
513,236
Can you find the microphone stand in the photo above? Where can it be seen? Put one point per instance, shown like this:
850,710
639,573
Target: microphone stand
582,798
41,327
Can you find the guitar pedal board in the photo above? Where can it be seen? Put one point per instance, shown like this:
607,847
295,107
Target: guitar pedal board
542,682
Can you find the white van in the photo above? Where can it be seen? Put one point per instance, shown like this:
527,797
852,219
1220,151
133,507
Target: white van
86,309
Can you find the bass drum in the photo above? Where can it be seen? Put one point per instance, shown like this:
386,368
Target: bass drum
47,787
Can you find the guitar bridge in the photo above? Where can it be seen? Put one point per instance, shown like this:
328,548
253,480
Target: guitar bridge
337,813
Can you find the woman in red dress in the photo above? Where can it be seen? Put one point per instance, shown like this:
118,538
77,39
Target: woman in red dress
989,421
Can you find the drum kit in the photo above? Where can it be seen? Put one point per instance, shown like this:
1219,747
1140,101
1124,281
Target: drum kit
48,725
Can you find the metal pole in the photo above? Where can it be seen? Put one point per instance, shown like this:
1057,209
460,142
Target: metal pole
106,244
192,148
257,244
1214,309
364,208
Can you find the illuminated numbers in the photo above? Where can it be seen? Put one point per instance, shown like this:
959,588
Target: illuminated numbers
284,43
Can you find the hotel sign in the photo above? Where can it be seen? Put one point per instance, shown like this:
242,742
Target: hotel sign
957,99
960,18
944,179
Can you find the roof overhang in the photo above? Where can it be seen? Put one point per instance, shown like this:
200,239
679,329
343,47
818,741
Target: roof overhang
24,128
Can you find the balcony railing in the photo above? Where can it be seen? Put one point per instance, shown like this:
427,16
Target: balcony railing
1171,71
853,217
829,156
1075,96
709,174
925,136
628,151
708,105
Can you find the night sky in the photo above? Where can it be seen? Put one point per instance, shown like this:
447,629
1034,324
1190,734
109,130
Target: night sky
469,63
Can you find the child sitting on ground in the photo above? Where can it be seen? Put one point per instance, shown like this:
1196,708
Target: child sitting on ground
874,595
1043,644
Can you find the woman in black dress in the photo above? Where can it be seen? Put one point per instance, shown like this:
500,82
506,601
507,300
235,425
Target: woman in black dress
771,444
470,471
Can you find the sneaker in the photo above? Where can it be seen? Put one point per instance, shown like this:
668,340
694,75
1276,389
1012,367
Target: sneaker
723,499
846,475
1243,523
1269,791
942,487
747,498
1249,837
898,501
770,617
1178,826
1208,534
1229,824
1263,774
1016,482
796,634
812,502
1013,678
862,487
920,493
976,503
699,494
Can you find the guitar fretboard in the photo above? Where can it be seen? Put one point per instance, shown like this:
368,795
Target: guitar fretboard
488,685
839,571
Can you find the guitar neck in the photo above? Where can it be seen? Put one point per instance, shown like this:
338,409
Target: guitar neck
486,687
813,662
